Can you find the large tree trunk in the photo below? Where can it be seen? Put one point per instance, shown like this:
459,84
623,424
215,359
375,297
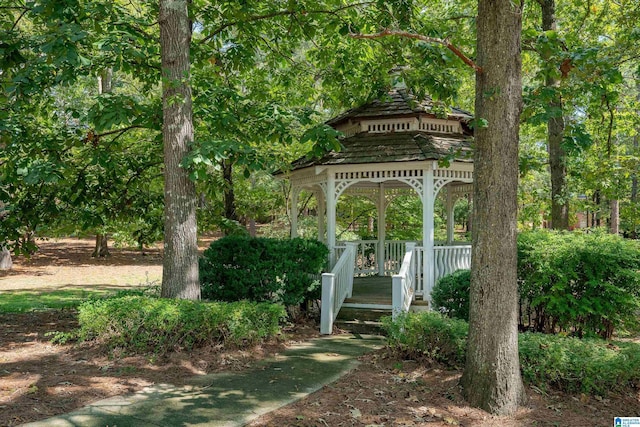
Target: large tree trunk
5,259
555,134
180,261
491,378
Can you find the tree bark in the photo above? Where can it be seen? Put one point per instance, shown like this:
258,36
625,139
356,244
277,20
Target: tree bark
101,249
555,134
614,206
5,259
491,378
180,261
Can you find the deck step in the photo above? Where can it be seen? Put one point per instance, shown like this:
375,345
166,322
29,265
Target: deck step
365,327
364,314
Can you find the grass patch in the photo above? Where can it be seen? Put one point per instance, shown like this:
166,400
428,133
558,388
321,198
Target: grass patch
591,366
25,301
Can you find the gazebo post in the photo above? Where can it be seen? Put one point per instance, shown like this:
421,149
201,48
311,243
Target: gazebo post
293,215
331,216
450,216
382,220
321,214
428,260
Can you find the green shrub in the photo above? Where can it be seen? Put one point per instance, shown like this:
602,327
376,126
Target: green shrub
427,335
576,282
140,324
451,294
584,284
259,269
591,366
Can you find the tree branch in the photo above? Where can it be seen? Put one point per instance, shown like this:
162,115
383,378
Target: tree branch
405,34
15,24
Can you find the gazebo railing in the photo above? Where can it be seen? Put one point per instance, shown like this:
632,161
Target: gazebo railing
448,259
403,283
366,261
336,286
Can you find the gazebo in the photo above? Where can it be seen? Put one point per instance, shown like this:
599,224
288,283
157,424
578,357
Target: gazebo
392,146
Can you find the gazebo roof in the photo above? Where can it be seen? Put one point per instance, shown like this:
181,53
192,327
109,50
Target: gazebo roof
397,128
394,147
397,103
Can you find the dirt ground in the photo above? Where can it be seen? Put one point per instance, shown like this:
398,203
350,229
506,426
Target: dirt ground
39,379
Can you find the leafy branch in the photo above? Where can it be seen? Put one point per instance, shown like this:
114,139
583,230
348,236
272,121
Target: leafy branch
406,34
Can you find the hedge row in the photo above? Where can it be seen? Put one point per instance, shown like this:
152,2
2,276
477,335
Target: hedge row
141,324
591,366
585,284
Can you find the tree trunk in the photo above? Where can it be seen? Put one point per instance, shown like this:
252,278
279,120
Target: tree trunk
555,134
5,259
614,206
101,250
180,261
229,195
491,378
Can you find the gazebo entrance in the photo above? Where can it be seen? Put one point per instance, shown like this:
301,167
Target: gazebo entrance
391,147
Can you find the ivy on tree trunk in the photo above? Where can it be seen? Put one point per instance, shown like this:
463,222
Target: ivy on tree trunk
491,378
180,262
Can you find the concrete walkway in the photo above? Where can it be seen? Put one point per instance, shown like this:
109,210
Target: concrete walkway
229,399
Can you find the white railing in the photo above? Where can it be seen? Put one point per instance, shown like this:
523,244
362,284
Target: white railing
403,288
394,254
366,261
336,286
448,259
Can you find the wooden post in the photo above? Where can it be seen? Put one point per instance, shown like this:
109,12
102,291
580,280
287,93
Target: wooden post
427,233
326,310
397,294
331,217
294,212
381,256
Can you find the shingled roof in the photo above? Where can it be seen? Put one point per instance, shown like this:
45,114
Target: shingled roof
397,103
394,147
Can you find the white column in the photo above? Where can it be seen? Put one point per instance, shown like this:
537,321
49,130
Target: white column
321,209
427,233
450,217
294,212
331,216
382,227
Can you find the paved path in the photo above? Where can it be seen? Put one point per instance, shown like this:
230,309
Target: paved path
229,399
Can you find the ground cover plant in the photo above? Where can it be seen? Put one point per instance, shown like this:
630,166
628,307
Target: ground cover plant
592,366
283,271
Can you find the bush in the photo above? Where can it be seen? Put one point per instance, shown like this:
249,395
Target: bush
591,366
427,335
140,324
584,284
259,269
451,294
576,282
